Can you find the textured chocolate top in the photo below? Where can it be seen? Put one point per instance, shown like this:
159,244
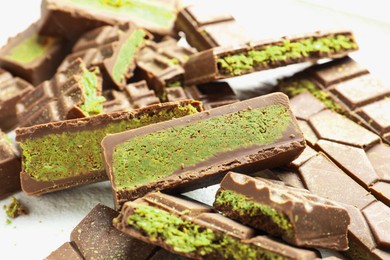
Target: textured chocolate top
65,252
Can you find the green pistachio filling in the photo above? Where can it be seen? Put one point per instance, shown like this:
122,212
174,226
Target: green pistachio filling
154,156
245,207
15,208
151,11
73,153
236,64
126,55
31,48
93,103
295,87
186,237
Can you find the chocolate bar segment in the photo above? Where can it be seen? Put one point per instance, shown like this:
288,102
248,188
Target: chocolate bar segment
31,56
9,167
205,29
300,218
73,147
204,235
259,132
65,252
72,18
226,62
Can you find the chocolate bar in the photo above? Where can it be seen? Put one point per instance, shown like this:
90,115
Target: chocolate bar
71,18
73,93
300,218
193,230
230,61
9,167
11,91
161,65
96,238
259,132
115,60
347,88
31,56
73,147
205,29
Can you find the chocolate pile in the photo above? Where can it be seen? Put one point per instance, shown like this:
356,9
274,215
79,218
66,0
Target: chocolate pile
109,90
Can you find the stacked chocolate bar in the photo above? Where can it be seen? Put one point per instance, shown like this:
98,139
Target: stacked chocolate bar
108,90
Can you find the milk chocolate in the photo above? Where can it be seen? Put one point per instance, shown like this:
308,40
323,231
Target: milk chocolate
66,251
230,61
73,146
273,141
205,29
9,167
209,235
31,56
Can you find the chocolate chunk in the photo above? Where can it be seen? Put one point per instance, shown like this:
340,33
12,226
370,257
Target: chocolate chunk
71,19
204,235
379,155
374,113
305,105
378,218
310,135
9,167
73,147
381,190
303,157
261,132
11,91
205,29
65,252
300,218
31,56
288,177
226,62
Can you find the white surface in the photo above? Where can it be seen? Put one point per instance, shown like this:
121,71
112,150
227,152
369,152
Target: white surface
53,216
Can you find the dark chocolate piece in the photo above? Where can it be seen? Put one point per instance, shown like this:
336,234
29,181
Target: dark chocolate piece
260,132
73,93
300,218
205,29
31,56
73,147
70,19
11,91
198,234
9,167
65,252
226,62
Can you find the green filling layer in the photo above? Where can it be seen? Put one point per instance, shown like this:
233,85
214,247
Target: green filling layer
235,64
30,49
15,208
293,88
154,156
93,104
68,154
187,237
151,11
245,207
126,55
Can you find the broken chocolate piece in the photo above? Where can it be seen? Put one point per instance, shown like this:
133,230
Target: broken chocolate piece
65,252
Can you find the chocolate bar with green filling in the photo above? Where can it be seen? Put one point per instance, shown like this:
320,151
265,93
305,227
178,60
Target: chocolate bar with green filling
116,60
71,18
11,91
297,216
348,88
206,28
197,150
31,56
230,61
64,154
193,230
9,167
73,93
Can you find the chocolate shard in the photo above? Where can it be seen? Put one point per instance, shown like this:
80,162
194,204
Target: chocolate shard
220,141
198,235
73,146
73,93
205,29
378,218
31,56
225,62
70,19
65,252
9,167
300,218
11,91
